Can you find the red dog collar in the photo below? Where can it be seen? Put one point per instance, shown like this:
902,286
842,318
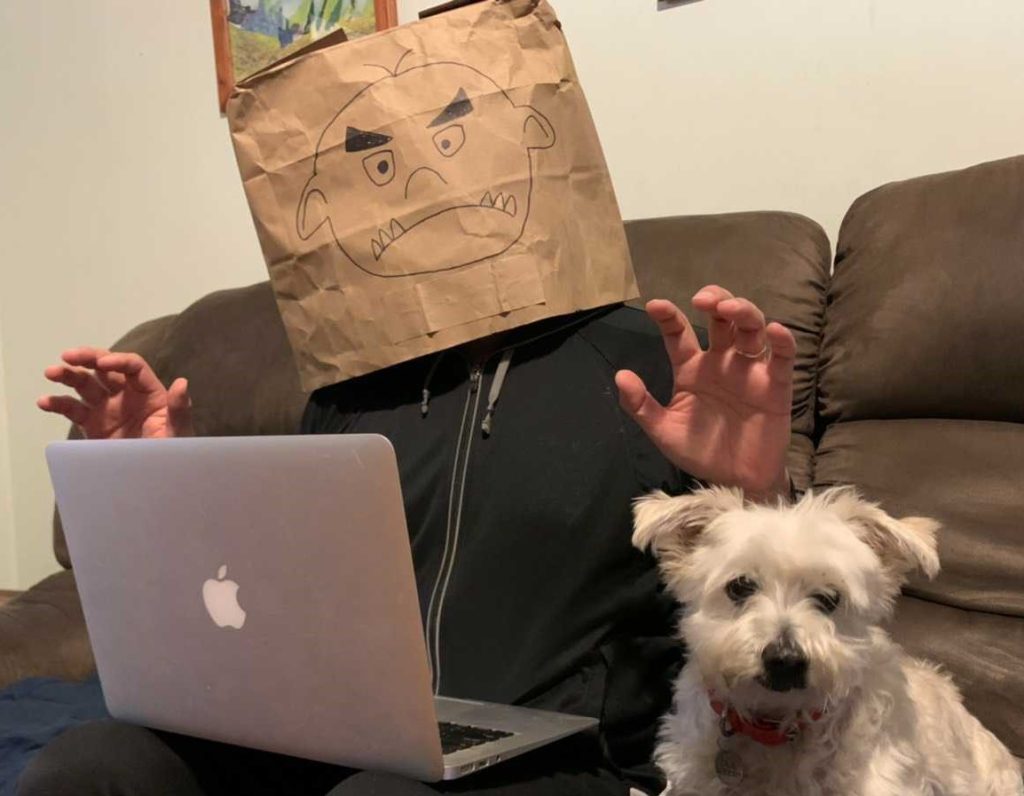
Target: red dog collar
764,731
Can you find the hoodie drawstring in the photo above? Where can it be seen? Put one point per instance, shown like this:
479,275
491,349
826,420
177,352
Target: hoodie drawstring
492,397
425,402
495,393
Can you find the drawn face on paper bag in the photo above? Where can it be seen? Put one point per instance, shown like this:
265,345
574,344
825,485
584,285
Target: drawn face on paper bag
425,170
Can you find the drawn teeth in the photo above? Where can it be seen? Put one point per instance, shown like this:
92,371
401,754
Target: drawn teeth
385,238
500,202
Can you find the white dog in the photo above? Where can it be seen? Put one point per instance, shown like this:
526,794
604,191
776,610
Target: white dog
791,687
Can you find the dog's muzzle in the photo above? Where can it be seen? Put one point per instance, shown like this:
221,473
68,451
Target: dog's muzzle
785,665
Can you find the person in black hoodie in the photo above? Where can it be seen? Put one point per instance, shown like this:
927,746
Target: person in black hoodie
519,456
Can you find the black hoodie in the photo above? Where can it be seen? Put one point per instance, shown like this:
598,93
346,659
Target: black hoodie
530,590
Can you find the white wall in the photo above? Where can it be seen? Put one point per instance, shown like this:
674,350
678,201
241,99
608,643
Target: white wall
120,199
8,569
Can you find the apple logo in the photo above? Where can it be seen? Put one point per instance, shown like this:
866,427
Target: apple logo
221,600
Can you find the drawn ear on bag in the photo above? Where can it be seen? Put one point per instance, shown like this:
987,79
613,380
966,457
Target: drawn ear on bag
312,212
537,130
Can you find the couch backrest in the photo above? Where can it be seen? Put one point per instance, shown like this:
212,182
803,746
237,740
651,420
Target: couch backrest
231,346
921,404
922,374
780,261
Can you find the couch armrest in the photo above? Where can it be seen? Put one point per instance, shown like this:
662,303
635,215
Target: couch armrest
42,633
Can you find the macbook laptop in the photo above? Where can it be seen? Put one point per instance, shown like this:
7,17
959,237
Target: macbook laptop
260,591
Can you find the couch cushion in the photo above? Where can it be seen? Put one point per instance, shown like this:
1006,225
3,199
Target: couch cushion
780,261
800,461
43,633
969,475
924,311
982,651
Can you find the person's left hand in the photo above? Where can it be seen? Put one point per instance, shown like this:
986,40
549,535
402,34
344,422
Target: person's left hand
728,421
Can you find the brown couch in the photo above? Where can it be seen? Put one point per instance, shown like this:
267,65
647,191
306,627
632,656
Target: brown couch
910,384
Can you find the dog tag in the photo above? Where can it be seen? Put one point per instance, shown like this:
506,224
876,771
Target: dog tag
728,767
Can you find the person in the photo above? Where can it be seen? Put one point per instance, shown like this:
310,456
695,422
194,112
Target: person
519,458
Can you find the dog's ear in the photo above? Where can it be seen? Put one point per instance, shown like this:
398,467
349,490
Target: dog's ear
671,526
903,545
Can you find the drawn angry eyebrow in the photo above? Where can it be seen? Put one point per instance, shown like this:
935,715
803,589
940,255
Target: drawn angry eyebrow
357,140
459,106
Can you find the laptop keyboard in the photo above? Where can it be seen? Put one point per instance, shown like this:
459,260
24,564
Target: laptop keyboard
455,737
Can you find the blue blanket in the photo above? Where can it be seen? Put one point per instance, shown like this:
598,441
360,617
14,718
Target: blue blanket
34,712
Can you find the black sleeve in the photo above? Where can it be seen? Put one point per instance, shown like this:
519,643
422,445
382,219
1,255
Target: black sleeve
310,416
329,410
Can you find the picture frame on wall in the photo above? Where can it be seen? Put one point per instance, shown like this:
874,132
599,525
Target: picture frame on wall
251,34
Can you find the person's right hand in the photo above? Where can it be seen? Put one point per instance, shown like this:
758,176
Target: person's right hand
119,395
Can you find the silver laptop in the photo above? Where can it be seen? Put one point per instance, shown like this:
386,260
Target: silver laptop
260,591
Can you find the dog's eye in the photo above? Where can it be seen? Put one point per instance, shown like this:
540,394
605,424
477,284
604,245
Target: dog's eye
827,601
739,589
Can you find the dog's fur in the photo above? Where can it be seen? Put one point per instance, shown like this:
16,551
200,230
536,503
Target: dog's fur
892,726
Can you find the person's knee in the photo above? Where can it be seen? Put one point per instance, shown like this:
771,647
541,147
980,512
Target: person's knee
106,757
368,783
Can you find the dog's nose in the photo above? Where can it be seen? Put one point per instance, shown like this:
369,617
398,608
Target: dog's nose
785,665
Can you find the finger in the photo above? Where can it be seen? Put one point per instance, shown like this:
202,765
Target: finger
678,336
112,381
73,409
637,402
135,370
720,329
709,296
86,357
783,356
81,380
83,356
748,324
179,409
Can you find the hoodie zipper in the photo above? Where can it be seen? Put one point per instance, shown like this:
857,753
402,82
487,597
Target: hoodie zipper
460,467
467,428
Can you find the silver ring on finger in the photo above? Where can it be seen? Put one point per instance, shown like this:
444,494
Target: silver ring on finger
765,353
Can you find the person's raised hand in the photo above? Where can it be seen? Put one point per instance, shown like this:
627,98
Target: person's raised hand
119,395
728,420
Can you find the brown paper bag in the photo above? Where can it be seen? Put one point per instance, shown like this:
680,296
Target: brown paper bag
426,186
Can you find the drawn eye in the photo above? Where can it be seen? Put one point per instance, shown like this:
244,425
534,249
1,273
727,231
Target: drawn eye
450,140
827,602
380,166
739,589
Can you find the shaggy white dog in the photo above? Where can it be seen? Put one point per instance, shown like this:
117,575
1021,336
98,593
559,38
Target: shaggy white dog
791,687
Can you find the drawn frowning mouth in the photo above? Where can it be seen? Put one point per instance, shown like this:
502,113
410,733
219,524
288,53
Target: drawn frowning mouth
388,235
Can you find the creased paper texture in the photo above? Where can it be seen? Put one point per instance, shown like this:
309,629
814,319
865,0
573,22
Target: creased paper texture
426,186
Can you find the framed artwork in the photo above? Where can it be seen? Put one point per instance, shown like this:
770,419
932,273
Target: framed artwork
250,34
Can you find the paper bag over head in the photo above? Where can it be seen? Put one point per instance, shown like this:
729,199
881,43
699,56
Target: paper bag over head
426,186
